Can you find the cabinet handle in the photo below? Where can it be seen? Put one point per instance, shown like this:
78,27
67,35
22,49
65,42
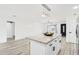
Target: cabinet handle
50,45
60,41
54,48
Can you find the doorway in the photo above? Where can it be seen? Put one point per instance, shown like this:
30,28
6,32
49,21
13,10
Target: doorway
10,30
63,30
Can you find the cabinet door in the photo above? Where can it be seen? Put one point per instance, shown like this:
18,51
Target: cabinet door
37,48
58,44
51,49
54,46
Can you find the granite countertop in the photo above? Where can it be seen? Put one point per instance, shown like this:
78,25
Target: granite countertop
43,39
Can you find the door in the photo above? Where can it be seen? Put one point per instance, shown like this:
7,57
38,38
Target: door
63,29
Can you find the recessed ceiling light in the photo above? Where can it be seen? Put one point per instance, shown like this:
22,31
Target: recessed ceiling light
43,15
75,7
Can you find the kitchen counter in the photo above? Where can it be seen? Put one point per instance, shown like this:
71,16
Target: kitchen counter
43,39
44,45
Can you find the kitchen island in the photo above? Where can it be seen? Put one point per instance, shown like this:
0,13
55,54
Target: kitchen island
45,45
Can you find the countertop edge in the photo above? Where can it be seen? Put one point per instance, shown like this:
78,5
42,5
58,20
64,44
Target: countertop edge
40,41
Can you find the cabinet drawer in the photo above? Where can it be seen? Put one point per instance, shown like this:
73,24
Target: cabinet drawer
53,49
51,43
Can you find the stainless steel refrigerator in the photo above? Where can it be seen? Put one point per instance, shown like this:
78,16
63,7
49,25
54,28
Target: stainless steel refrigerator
77,37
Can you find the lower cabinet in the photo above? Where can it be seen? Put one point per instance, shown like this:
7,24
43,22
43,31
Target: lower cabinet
52,48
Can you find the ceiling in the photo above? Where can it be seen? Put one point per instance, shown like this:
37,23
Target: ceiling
63,11
33,12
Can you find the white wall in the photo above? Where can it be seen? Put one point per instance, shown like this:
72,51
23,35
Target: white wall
28,21
22,30
2,30
6,11
58,28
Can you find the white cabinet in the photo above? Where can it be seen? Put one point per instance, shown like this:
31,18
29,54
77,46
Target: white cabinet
52,48
37,48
